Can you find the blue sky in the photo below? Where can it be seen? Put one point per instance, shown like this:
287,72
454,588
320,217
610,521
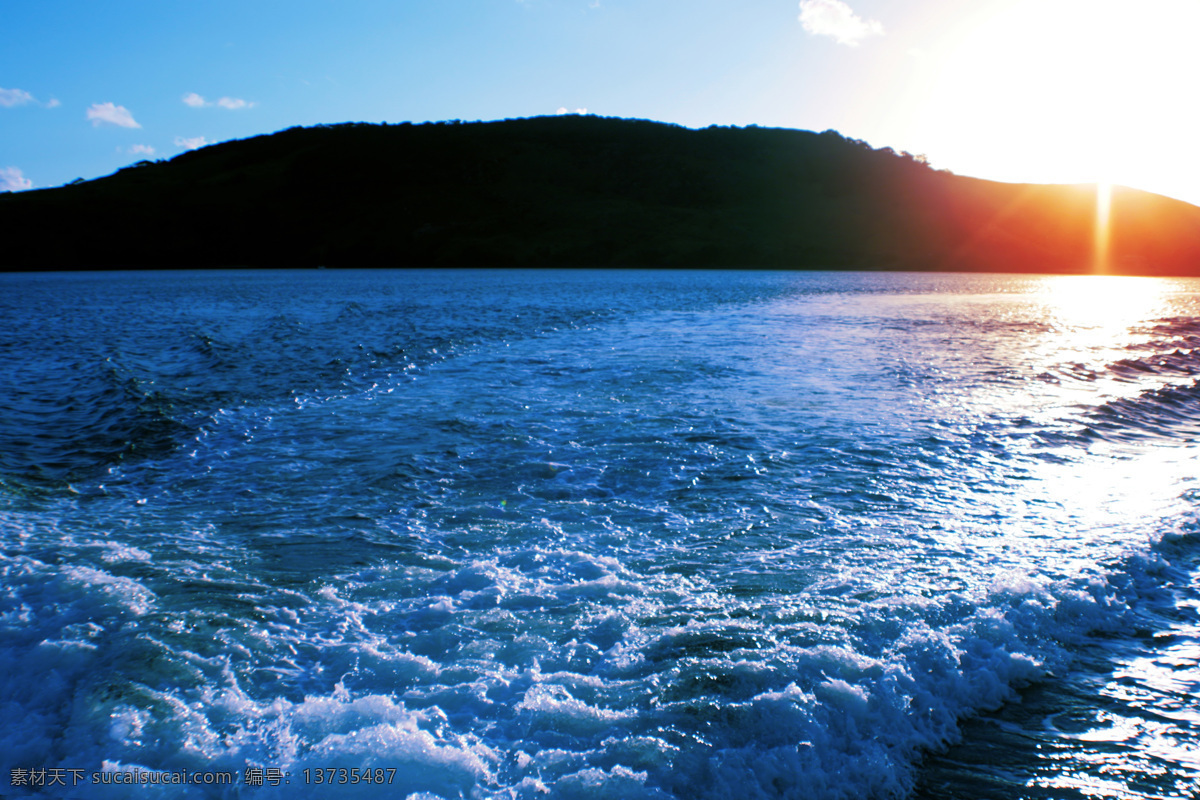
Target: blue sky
1045,90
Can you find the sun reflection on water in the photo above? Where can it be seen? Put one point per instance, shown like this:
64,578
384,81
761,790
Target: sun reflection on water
1107,304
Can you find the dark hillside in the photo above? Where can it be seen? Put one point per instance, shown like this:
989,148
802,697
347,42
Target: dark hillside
576,191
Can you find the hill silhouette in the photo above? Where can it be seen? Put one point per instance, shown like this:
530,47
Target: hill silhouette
579,191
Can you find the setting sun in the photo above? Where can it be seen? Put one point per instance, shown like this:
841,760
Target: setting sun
1061,91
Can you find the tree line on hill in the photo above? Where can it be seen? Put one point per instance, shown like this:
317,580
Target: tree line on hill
579,191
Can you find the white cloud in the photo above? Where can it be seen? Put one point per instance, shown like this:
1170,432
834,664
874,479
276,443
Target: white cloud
232,103
193,143
565,110
835,18
20,97
14,97
141,150
11,180
110,114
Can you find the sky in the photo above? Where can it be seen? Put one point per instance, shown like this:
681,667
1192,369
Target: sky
1047,91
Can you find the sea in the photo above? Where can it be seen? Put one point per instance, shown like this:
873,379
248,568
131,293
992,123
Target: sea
574,534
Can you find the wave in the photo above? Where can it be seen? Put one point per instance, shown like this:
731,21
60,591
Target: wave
1169,414
70,410
67,422
645,686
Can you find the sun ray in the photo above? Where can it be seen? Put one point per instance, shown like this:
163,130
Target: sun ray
1101,236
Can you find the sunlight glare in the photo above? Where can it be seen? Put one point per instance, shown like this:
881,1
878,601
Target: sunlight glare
1106,304
1061,91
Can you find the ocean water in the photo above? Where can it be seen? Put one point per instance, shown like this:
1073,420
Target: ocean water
599,535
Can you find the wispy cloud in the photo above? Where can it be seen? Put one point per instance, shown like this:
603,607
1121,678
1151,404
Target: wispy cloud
232,103
20,97
141,150
14,97
11,180
193,143
110,114
835,18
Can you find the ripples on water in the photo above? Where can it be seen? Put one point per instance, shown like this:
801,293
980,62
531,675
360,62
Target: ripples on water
597,534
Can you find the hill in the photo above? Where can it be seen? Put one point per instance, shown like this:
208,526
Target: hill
578,191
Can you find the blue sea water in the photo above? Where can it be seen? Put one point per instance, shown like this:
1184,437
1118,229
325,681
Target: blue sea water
585,534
